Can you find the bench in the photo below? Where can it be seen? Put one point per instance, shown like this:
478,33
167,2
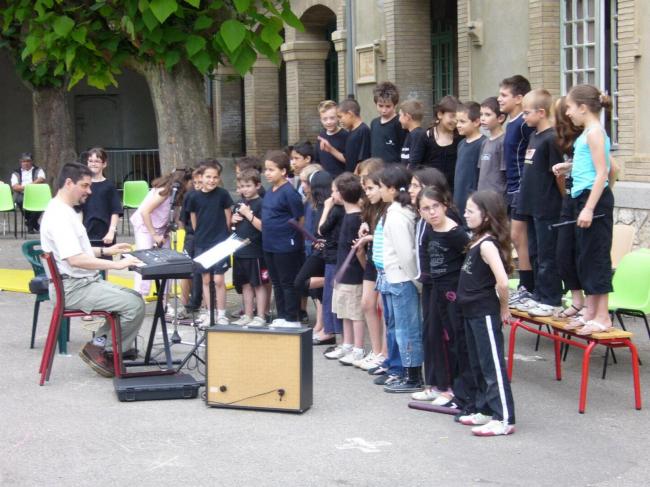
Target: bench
614,338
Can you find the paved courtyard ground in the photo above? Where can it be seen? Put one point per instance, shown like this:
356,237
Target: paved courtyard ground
74,431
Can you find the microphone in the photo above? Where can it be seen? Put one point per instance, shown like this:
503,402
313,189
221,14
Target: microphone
175,187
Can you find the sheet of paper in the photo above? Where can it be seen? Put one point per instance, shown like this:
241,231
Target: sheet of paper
220,252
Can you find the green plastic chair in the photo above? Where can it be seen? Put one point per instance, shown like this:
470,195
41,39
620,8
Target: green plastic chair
6,205
631,282
32,251
133,192
36,197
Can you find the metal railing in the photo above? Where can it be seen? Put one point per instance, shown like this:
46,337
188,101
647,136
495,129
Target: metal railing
132,165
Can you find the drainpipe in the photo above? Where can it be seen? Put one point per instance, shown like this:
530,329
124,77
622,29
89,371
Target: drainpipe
349,53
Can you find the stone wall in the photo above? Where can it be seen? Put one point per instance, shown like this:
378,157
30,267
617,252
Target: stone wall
639,219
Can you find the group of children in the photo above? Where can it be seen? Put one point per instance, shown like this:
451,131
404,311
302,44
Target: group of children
409,233
424,236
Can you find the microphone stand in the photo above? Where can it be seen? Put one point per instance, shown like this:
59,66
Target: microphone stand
171,230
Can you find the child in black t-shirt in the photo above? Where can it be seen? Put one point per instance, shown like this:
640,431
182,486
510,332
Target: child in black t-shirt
191,289
346,299
302,155
102,209
468,122
416,149
357,145
331,137
249,269
540,196
210,213
486,267
329,228
444,137
386,132
449,376
511,94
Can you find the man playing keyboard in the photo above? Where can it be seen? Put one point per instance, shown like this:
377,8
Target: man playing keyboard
63,234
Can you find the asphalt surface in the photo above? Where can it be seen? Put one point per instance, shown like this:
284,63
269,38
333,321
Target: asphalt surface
74,431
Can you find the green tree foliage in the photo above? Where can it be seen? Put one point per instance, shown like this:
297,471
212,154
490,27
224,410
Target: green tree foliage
57,40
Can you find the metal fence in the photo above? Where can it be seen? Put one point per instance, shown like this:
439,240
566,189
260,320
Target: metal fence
132,165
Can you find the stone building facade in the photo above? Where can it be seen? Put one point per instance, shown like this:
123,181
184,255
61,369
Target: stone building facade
430,48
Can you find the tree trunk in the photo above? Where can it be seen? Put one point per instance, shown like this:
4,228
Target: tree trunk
53,131
185,134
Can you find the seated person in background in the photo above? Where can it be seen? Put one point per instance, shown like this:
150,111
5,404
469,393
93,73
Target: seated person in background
27,173
63,234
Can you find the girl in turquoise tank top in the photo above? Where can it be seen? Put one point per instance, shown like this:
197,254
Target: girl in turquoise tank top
593,196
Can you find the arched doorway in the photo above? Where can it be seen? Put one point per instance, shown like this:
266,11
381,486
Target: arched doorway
311,67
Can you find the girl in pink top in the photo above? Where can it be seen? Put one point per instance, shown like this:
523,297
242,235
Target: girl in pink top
150,222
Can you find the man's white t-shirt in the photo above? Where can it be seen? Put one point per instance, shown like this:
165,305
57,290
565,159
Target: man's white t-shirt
63,234
26,176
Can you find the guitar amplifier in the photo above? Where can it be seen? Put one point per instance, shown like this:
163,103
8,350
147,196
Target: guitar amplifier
259,368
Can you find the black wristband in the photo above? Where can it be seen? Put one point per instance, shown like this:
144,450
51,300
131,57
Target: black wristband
101,251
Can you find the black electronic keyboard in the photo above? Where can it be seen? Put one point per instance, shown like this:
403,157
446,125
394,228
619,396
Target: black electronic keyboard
162,264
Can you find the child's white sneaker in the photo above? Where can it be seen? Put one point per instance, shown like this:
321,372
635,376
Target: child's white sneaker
356,354
425,395
257,322
339,352
494,428
243,320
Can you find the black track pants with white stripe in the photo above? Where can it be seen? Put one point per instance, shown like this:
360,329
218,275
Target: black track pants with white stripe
485,348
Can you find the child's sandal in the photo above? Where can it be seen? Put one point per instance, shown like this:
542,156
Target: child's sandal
569,312
593,327
575,323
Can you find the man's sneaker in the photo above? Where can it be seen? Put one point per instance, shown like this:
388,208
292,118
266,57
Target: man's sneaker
475,419
222,320
494,428
425,395
281,323
257,322
243,321
403,386
96,358
337,353
385,379
543,310
526,305
354,355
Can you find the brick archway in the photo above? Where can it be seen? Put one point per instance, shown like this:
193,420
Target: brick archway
305,54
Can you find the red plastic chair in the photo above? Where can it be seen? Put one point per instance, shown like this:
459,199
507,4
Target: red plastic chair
59,313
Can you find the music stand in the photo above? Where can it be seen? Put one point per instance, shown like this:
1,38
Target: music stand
211,257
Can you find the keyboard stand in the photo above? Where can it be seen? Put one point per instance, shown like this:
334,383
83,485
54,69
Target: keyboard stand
159,316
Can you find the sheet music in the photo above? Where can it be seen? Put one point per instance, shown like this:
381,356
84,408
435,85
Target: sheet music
221,251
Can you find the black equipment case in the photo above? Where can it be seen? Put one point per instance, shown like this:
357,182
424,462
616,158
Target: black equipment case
148,388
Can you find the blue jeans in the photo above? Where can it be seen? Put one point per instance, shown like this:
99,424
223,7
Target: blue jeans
404,318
